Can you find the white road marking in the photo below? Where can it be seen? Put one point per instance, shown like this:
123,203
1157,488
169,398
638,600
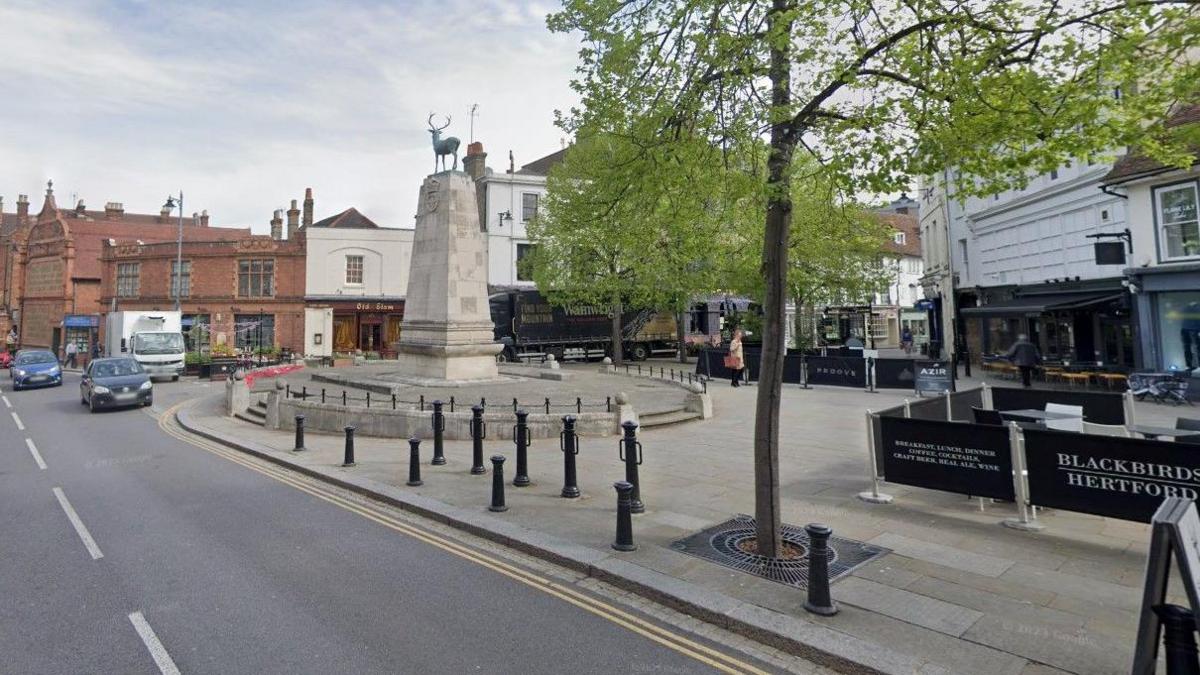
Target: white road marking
86,536
157,651
37,456
6,403
17,419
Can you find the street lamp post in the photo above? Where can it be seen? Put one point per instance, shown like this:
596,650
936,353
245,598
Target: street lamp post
178,276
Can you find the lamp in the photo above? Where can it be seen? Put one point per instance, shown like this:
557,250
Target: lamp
503,216
178,275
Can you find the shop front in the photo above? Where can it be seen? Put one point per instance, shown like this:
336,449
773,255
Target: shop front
1168,304
365,326
83,330
1083,326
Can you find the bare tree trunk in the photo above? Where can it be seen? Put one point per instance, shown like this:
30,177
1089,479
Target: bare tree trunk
618,352
681,336
774,271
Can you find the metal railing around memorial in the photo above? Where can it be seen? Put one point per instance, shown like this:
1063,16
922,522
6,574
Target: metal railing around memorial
664,373
377,401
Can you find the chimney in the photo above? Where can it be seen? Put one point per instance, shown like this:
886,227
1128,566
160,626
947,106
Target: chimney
22,207
308,207
204,218
114,210
79,209
294,220
475,161
277,225
195,219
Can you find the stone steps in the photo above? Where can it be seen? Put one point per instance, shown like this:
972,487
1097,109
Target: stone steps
255,414
666,417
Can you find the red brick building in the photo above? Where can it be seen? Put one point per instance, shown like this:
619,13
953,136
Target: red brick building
51,269
245,292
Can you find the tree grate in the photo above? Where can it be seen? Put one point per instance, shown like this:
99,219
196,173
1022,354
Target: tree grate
720,544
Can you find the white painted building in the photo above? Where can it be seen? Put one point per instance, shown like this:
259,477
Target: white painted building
508,201
356,274
1023,263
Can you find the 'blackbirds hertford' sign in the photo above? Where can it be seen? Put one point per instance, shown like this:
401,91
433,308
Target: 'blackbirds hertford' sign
1124,478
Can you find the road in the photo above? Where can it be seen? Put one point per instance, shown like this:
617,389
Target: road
133,551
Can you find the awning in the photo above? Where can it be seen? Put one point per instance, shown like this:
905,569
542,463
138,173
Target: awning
1033,305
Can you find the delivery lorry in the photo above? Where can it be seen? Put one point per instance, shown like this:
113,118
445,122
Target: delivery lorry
153,339
528,325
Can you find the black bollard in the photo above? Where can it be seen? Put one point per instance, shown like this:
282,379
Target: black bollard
819,601
343,397
498,484
547,406
478,429
569,444
624,540
394,403
451,404
322,394
521,439
1179,639
630,452
349,460
299,434
439,428
304,393
414,462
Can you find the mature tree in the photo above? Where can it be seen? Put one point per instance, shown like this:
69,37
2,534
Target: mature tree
880,91
623,225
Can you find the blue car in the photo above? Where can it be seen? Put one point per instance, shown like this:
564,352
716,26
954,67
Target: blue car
35,368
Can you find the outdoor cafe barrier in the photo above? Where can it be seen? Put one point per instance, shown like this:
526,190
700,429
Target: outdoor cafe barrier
1109,476
845,368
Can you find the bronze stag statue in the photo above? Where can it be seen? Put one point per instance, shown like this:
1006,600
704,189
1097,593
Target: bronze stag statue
442,146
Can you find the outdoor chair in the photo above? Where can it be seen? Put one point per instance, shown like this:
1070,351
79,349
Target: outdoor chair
1105,429
1187,423
1073,424
1172,391
983,416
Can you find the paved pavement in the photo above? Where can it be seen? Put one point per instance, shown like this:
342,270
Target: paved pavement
133,551
957,592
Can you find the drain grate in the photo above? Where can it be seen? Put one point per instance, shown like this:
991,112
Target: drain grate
720,544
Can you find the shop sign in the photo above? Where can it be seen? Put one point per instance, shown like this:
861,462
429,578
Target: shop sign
970,459
375,307
1110,476
934,376
843,372
81,321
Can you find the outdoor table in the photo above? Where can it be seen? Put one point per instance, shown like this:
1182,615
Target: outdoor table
1153,432
1032,414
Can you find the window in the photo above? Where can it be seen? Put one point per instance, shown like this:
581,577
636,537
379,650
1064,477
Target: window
1053,174
129,280
523,271
1179,325
254,331
1179,231
898,237
879,327
354,270
181,286
197,331
529,206
256,278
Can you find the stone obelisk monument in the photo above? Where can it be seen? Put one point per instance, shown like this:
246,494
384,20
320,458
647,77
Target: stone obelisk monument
447,329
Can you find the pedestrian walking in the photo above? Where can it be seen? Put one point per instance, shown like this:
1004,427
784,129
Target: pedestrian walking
736,361
10,341
1024,356
72,351
906,340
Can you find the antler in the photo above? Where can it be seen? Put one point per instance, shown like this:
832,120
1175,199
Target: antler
430,123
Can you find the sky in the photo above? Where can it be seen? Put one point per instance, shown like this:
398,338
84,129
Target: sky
243,105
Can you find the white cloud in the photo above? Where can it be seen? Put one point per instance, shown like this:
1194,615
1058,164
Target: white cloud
245,107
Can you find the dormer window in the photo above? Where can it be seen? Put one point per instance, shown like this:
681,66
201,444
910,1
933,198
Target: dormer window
898,238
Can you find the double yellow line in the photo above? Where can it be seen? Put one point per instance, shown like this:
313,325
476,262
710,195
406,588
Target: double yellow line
647,629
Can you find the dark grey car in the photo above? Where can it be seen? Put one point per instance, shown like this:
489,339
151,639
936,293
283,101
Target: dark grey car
114,383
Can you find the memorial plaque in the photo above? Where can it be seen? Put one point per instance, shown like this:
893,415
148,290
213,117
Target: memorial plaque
934,376
1124,478
970,459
